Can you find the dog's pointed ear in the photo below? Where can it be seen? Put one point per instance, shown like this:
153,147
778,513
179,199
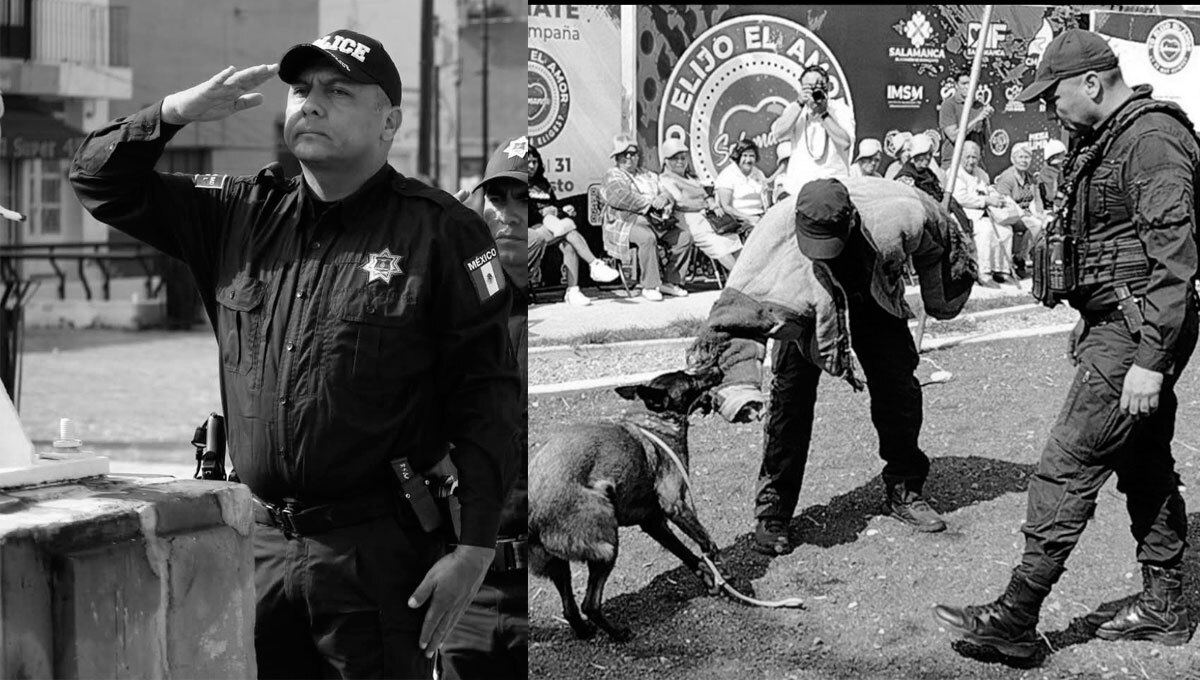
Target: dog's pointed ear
629,392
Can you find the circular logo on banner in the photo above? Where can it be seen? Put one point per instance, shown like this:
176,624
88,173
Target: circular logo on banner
734,81
549,98
1170,45
999,142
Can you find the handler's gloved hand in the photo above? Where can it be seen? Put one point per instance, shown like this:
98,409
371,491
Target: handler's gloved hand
449,587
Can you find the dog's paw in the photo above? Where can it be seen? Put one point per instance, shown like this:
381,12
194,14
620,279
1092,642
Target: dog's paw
584,630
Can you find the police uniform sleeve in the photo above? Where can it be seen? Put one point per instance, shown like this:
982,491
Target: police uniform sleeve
479,385
113,175
1160,175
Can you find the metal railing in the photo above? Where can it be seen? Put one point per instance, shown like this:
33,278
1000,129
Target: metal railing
104,256
57,31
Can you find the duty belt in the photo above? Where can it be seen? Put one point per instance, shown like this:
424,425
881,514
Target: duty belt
295,519
1100,318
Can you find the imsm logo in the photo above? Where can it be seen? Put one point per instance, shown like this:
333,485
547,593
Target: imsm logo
549,98
1170,46
905,96
734,80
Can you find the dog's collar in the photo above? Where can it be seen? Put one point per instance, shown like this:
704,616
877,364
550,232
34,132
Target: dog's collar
663,426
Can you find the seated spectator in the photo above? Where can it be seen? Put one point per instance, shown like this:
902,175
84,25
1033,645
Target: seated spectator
866,164
993,242
549,228
741,187
636,213
691,200
918,172
902,144
1054,154
783,154
1019,184
937,169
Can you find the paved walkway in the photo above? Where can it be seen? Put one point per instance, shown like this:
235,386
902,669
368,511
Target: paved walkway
555,321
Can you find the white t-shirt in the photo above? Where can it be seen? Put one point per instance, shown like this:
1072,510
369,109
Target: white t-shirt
747,189
814,155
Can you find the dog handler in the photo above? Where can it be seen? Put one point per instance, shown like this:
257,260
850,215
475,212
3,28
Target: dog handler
1130,209
361,319
829,232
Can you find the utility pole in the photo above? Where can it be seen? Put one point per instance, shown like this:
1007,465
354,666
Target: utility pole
485,148
425,126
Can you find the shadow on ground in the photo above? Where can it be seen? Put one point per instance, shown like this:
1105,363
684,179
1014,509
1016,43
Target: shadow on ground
954,482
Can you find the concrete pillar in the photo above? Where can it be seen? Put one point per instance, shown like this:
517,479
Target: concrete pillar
120,577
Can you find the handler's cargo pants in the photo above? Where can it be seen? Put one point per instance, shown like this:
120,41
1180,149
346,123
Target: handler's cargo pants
1091,440
885,349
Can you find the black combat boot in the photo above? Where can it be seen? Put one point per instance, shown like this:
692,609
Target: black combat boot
1158,614
1008,625
908,507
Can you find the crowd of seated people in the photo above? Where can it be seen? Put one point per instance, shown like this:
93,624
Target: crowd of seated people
651,221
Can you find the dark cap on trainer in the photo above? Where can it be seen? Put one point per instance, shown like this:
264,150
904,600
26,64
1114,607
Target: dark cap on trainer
824,215
1072,52
359,57
508,162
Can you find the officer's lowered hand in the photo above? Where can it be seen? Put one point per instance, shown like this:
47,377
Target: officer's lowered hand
1139,394
449,587
225,93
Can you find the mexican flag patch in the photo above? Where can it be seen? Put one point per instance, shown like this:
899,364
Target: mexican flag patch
486,274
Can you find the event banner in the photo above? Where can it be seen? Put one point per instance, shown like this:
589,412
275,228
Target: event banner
1157,50
574,91
715,74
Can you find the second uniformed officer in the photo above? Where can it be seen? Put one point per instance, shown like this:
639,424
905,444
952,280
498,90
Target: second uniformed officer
1128,242
361,321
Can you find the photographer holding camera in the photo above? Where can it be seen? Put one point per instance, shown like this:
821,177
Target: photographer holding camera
821,129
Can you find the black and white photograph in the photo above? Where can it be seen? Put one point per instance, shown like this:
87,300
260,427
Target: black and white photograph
977,223
262,413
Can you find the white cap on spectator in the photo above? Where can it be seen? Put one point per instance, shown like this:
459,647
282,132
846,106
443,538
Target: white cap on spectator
921,143
1053,148
783,150
867,148
672,146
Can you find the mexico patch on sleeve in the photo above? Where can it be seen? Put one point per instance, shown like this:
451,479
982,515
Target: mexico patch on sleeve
211,181
486,274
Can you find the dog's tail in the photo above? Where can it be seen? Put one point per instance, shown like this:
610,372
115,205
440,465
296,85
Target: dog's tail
579,527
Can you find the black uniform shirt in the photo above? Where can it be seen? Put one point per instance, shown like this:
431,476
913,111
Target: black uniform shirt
350,333
1145,188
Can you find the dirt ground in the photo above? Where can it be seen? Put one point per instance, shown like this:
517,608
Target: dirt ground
868,581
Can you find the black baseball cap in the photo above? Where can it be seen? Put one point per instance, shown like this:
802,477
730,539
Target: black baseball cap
360,57
1072,52
508,161
824,215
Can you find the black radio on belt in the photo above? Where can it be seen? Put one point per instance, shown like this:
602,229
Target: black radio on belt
209,441
1062,266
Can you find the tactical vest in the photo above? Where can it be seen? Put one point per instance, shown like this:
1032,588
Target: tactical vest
1068,255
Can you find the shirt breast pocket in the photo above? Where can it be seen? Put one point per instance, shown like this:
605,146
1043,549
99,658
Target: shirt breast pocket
240,319
380,340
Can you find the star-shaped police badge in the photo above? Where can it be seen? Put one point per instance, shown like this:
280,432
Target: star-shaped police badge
517,148
382,265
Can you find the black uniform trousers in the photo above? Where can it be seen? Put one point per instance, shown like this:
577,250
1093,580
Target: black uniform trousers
888,356
1091,440
335,604
491,640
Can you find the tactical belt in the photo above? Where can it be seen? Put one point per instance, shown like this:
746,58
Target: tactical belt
1102,317
511,554
295,519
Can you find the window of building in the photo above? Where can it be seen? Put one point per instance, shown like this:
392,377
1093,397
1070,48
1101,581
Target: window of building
43,182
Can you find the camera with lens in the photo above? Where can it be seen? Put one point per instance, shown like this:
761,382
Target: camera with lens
818,94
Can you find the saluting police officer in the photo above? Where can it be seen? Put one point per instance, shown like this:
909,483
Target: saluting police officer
491,641
361,321
1130,220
